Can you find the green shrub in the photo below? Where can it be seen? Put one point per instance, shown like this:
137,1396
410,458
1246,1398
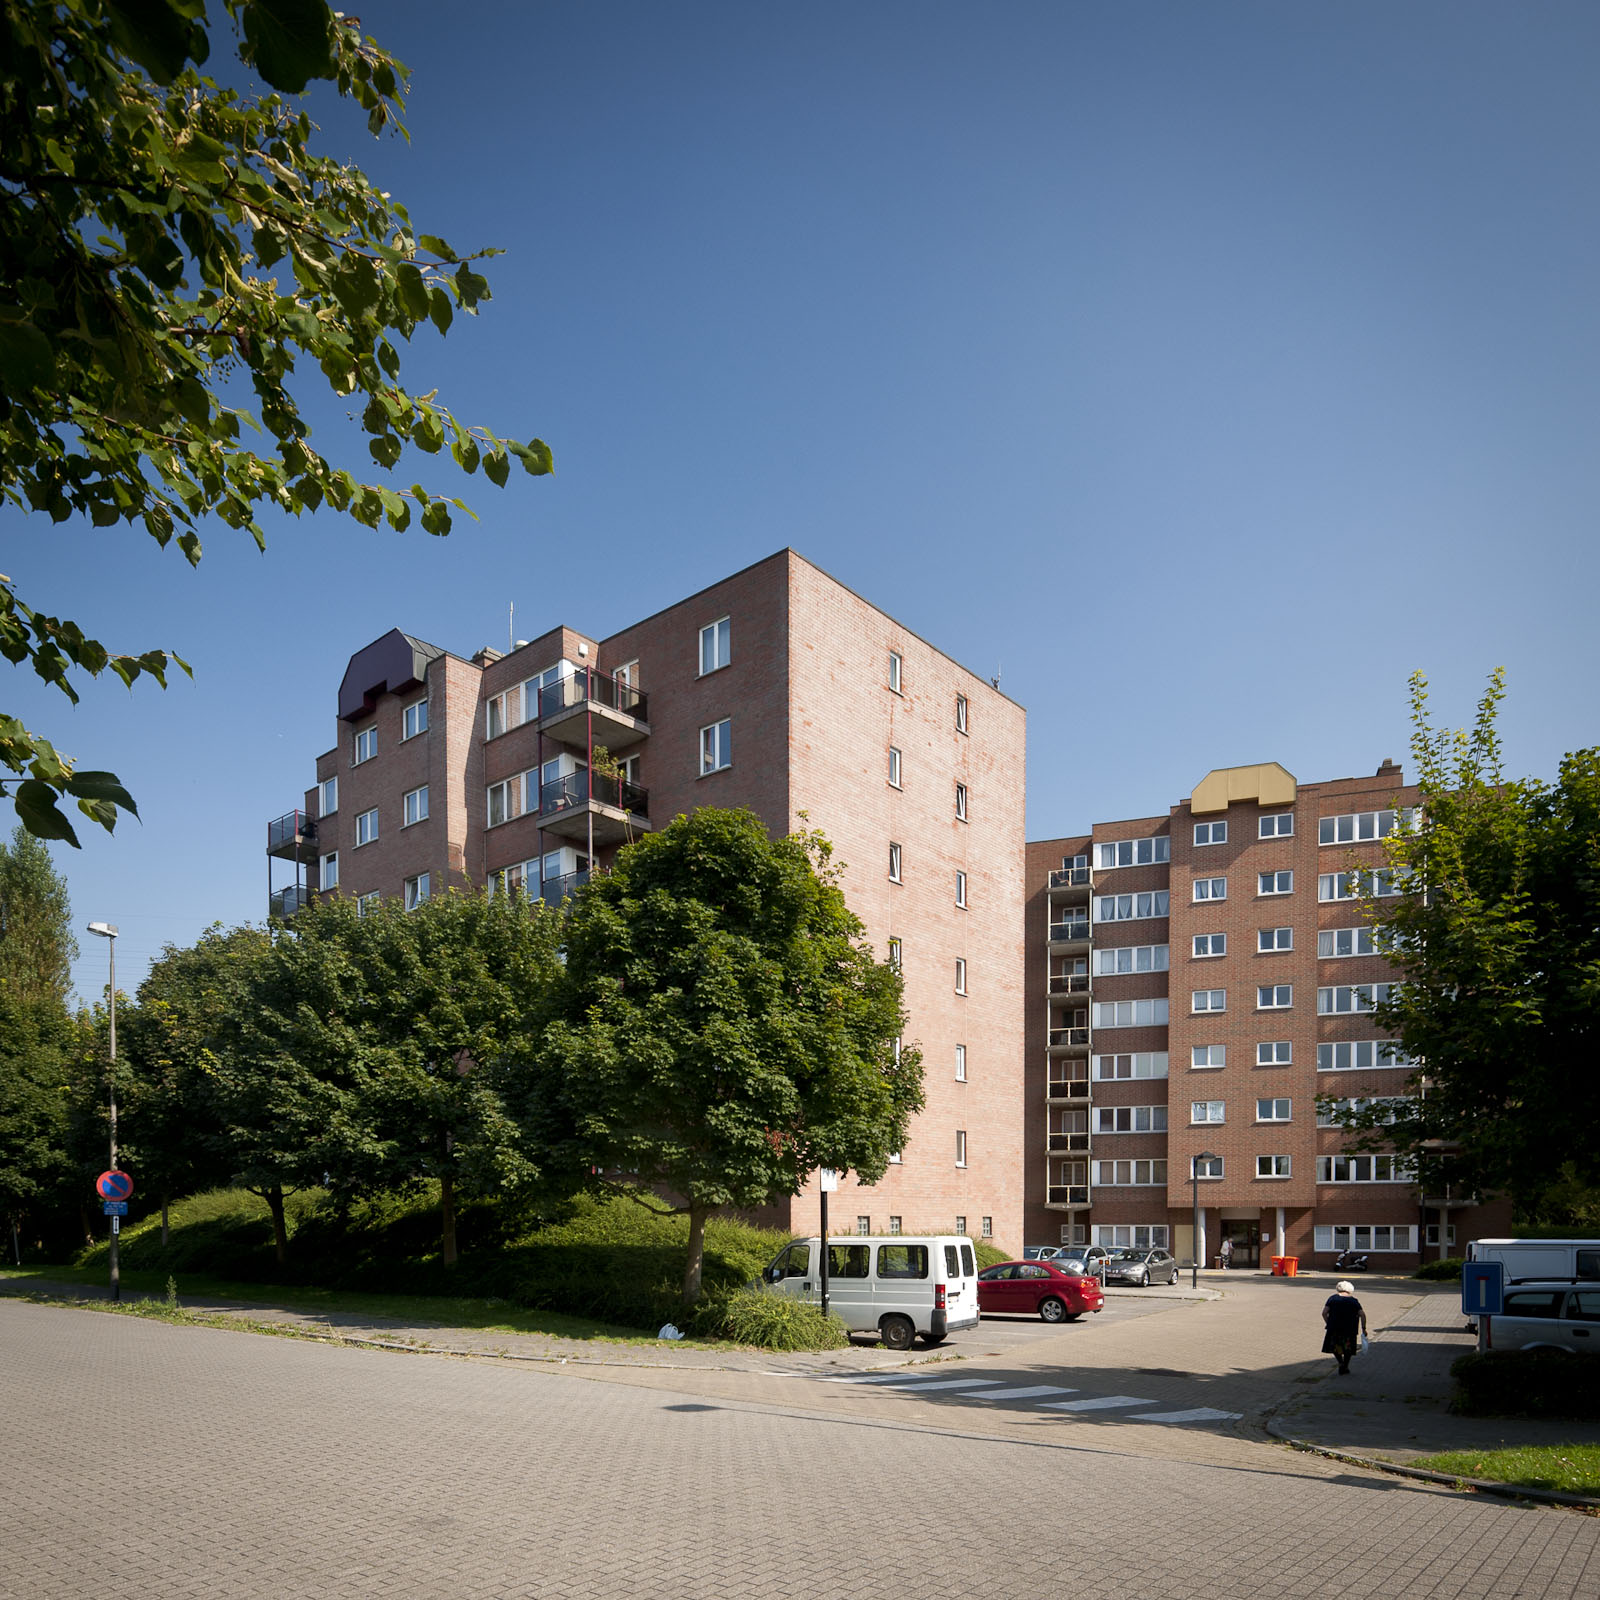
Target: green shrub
770,1321
1526,1383
1446,1271
223,1231
989,1255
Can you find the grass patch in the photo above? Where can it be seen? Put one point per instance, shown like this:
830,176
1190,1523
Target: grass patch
1565,1468
770,1321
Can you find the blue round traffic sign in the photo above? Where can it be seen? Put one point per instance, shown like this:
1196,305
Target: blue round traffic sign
114,1185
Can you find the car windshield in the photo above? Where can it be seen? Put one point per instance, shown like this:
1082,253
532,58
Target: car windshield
1129,1255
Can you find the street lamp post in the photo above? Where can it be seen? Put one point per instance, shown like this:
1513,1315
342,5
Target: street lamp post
1194,1178
108,932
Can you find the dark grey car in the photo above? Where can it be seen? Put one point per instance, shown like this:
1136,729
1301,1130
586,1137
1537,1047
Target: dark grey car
1141,1267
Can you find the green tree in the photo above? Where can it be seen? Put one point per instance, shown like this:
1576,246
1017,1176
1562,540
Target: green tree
721,1029
37,947
173,254
1499,945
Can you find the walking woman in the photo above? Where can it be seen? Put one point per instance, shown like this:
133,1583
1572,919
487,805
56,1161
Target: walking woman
1345,1321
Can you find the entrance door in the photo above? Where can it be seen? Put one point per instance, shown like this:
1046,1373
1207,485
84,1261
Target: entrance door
1246,1237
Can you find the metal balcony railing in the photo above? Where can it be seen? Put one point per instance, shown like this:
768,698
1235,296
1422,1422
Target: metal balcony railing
293,827
1069,1088
554,890
587,683
1069,983
285,902
1070,878
1068,1142
1069,1036
1077,928
578,788
1075,1194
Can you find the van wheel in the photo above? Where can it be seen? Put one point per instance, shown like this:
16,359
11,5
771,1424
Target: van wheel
897,1332
1052,1310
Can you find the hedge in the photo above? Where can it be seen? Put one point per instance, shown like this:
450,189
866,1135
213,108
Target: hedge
1526,1383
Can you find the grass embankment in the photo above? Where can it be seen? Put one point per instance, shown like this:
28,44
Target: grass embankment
592,1269
1565,1468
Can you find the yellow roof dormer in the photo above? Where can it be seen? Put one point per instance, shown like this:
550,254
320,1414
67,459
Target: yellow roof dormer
1267,784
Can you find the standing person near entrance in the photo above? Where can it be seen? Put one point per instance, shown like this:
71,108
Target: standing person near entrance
1227,1254
1345,1321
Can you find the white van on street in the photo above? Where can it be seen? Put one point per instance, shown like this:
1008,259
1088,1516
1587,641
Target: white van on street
899,1287
1522,1260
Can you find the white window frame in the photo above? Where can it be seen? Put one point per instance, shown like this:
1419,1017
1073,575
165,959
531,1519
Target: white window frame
1272,1102
1205,1001
1382,1238
1207,1113
962,713
1216,1055
961,1147
328,796
961,802
1208,946
1358,938
1432,1235
1206,889
1213,1169
1273,941
986,1227
863,1227
1274,996
1138,1064
1114,960
1147,1013
414,806
364,739
1274,1167
367,828
961,974
1335,886
961,1063
719,636
1140,907
1364,826
961,889
1275,883
1209,833
368,903
896,960
716,747
896,857
328,871
1137,1173
1363,1055
1267,1053
1272,827
896,766
1357,1168
1139,1119
416,890
1352,999
414,719
1153,851
896,672
1126,1235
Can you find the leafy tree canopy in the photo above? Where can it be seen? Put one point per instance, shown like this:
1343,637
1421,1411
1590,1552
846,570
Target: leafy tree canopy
37,946
721,1029
174,258
1500,948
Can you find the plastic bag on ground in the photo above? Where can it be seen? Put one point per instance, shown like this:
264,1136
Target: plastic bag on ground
669,1332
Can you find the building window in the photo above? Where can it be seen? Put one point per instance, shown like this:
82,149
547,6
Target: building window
716,645
503,799
1432,1235
1280,825
1142,1064
1134,852
1335,942
894,1158
1131,907
1128,1236
416,890
961,1225
627,676
1211,833
495,721
1351,885
366,746
894,961
1389,1240
716,747
1360,825
1131,958
1274,1053
328,878
1210,889
894,863
961,1147
1272,1111
416,806
1352,997
1271,940
1272,1167
1363,1169
1131,1013
1275,883
961,974
895,665
1205,1169
961,890
987,1227
1130,1174
961,713
894,1225
1209,1055
1208,1000
367,827
1130,1119
1386,1109
1211,944
1274,996
1206,1111
961,802
961,1063
327,797
863,1225
894,767
1354,1055
414,720
367,904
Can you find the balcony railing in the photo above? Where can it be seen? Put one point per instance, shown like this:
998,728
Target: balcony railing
1076,1194
1068,1141
1061,932
1061,1036
1070,878
1069,983
285,902
578,788
292,828
1069,1088
587,683
555,890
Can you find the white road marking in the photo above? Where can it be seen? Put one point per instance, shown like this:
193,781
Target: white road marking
1030,1392
920,1386
1198,1414
1101,1403
871,1377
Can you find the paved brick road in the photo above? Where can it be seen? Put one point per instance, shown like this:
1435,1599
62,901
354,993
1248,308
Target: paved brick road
141,1459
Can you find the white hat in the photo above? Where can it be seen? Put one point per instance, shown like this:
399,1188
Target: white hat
1344,1286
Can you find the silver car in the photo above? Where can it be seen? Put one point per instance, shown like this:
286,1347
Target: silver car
1089,1259
1141,1267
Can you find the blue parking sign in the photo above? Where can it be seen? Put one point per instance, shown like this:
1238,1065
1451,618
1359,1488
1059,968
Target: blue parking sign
1482,1289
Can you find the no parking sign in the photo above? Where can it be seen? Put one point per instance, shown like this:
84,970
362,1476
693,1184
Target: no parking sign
114,1185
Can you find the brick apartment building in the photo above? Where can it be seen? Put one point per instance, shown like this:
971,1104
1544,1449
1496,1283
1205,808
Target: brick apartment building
1196,980
777,689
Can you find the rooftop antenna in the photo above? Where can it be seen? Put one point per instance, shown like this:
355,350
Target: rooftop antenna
511,626
995,680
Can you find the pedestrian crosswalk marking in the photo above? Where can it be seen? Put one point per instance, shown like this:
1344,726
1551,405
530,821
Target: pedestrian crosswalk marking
870,1377
920,1386
1103,1402
1197,1414
1030,1392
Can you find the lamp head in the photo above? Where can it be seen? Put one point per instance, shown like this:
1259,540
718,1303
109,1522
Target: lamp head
106,930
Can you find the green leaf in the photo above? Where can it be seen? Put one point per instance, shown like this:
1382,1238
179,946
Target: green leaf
101,786
436,517
291,41
385,449
413,289
497,468
192,401
434,245
440,309
465,450
38,812
26,358
158,36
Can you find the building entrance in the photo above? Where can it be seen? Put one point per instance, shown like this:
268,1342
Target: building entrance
1246,1237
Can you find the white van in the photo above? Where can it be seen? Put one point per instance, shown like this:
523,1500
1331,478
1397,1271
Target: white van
898,1287
1523,1260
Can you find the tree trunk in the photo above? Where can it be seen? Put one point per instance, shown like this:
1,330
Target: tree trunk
447,1208
166,1231
280,1234
697,1252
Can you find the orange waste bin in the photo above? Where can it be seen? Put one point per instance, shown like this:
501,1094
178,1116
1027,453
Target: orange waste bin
1291,1266
1277,1266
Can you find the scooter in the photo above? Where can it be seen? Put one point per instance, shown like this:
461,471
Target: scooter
1351,1261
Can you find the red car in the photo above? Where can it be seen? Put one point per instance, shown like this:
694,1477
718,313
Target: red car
1041,1287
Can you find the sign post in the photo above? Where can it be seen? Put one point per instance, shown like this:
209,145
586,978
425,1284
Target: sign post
1483,1295
827,1181
114,1187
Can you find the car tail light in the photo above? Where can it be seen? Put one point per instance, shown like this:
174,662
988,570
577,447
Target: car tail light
938,1297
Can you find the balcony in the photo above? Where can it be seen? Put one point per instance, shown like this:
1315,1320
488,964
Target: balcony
1065,1143
1070,936
285,902
1064,1196
559,889
1069,1041
1063,1088
613,808
594,703
1070,885
1071,983
293,837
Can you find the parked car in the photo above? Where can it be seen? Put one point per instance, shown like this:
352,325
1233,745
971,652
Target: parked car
1142,1267
1045,1289
897,1287
1038,1252
1547,1316
1089,1257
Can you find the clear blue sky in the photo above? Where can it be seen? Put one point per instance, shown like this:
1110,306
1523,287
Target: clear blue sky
1208,367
